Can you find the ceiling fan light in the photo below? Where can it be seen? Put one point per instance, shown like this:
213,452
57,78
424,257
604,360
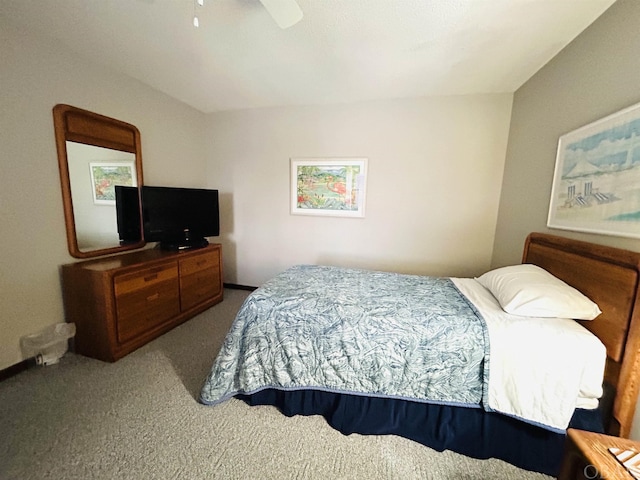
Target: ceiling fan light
286,13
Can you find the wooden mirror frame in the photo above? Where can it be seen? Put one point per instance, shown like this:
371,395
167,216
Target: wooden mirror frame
81,126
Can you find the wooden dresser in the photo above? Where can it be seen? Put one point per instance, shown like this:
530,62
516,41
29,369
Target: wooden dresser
120,303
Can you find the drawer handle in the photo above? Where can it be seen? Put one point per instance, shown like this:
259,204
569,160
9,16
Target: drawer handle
150,277
201,262
153,297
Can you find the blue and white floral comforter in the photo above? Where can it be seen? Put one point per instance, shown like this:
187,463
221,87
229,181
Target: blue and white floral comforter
357,332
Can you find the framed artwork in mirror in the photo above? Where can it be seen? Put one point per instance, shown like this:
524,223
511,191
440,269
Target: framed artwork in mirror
328,186
106,175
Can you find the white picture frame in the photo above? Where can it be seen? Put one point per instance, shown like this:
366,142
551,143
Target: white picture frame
328,186
106,175
596,182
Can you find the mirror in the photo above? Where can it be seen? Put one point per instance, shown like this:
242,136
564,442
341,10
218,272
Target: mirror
95,153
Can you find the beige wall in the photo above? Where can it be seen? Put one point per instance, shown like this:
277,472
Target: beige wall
434,183
596,75
435,170
34,76
435,167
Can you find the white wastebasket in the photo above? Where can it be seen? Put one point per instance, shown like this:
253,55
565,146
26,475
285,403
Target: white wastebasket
50,344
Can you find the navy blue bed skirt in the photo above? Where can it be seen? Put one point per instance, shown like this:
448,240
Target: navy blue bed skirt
468,431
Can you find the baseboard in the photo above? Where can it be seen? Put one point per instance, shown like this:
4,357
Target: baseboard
239,287
16,369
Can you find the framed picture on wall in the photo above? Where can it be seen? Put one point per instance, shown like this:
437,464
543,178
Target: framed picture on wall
328,186
106,175
596,183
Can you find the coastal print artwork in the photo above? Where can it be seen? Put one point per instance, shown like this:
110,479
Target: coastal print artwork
596,184
106,175
329,186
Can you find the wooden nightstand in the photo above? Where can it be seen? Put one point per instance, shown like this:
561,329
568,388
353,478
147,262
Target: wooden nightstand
587,456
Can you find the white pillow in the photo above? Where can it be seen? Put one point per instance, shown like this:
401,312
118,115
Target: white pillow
530,291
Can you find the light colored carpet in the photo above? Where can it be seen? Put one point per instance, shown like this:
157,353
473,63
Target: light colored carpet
139,419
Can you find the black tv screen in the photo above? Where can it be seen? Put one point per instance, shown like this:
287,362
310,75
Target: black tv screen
179,218
128,214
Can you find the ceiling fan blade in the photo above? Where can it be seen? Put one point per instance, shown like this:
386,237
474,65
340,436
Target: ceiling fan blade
285,12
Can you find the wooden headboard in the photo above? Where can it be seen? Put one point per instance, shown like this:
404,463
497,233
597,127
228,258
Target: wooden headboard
611,278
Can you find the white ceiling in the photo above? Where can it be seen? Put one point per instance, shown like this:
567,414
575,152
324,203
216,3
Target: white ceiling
341,50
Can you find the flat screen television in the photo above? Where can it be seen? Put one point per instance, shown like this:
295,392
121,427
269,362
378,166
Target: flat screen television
179,218
128,214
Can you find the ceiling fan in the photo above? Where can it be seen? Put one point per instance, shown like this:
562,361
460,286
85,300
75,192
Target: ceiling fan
286,13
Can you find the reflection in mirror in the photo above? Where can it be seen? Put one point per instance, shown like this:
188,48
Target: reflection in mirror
96,154
94,173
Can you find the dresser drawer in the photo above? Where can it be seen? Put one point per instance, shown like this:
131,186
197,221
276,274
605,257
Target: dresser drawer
142,279
209,260
145,300
198,287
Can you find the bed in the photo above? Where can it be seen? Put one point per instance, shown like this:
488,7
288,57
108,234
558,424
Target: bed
307,343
